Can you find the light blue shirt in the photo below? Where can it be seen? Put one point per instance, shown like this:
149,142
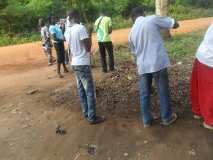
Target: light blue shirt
146,43
55,29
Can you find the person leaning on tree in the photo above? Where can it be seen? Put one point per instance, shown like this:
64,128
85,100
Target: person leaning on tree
152,61
58,42
103,27
79,41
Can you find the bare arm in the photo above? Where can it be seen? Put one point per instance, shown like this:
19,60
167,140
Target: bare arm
87,44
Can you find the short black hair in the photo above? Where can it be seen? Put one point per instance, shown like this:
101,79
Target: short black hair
103,10
137,11
73,14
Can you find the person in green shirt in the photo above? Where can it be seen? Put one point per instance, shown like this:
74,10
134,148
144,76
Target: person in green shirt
103,27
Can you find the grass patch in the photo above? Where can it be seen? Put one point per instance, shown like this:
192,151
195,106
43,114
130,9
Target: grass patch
183,13
184,45
6,39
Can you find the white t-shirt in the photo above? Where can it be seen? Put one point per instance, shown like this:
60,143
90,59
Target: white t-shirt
147,44
44,33
74,36
205,51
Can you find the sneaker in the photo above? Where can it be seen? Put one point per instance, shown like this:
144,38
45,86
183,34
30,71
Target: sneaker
197,117
173,118
97,120
207,126
147,125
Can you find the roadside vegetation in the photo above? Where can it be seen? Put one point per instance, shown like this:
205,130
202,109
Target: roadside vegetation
180,47
18,19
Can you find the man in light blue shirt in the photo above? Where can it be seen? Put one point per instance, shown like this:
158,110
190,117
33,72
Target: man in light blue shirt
152,61
58,42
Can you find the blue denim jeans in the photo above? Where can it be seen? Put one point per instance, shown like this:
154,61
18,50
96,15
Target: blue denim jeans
86,90
162,83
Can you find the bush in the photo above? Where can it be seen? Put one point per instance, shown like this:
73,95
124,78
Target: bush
18,38
183,12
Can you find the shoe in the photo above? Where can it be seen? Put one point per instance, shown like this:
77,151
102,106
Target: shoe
207,126
148,125
97,120
173,118
197,117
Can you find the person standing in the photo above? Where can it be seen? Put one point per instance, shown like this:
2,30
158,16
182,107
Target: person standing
80,45
201,86
46,42
152,61
58,41
103,27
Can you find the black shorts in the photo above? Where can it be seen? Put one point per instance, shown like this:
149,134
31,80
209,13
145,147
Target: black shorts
60,52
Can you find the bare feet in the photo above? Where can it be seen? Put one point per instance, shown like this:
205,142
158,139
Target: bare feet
60,75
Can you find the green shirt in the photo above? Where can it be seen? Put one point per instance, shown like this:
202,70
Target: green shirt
103,29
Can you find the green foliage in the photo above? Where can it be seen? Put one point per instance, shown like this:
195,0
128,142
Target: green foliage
197,3
18,38
184,45
21,16
182,12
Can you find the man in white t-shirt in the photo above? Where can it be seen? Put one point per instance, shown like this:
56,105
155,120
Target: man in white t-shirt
152,61
79,42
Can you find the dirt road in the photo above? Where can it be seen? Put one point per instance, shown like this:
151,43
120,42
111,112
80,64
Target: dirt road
28,121
27,56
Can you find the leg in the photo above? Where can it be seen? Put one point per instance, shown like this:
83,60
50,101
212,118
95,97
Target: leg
103,56
109,48
59,70
194,90
87,81
57,48
145,92
205,83
162,82
65,68
49,55
62,56
82,93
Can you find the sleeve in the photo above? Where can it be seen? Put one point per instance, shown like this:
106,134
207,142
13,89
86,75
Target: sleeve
131,45
165,22
52,30
42,32
83,33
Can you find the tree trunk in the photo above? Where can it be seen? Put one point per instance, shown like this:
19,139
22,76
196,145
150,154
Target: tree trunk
82,9
162,7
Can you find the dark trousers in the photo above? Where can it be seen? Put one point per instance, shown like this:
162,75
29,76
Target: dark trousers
60,52
103,46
